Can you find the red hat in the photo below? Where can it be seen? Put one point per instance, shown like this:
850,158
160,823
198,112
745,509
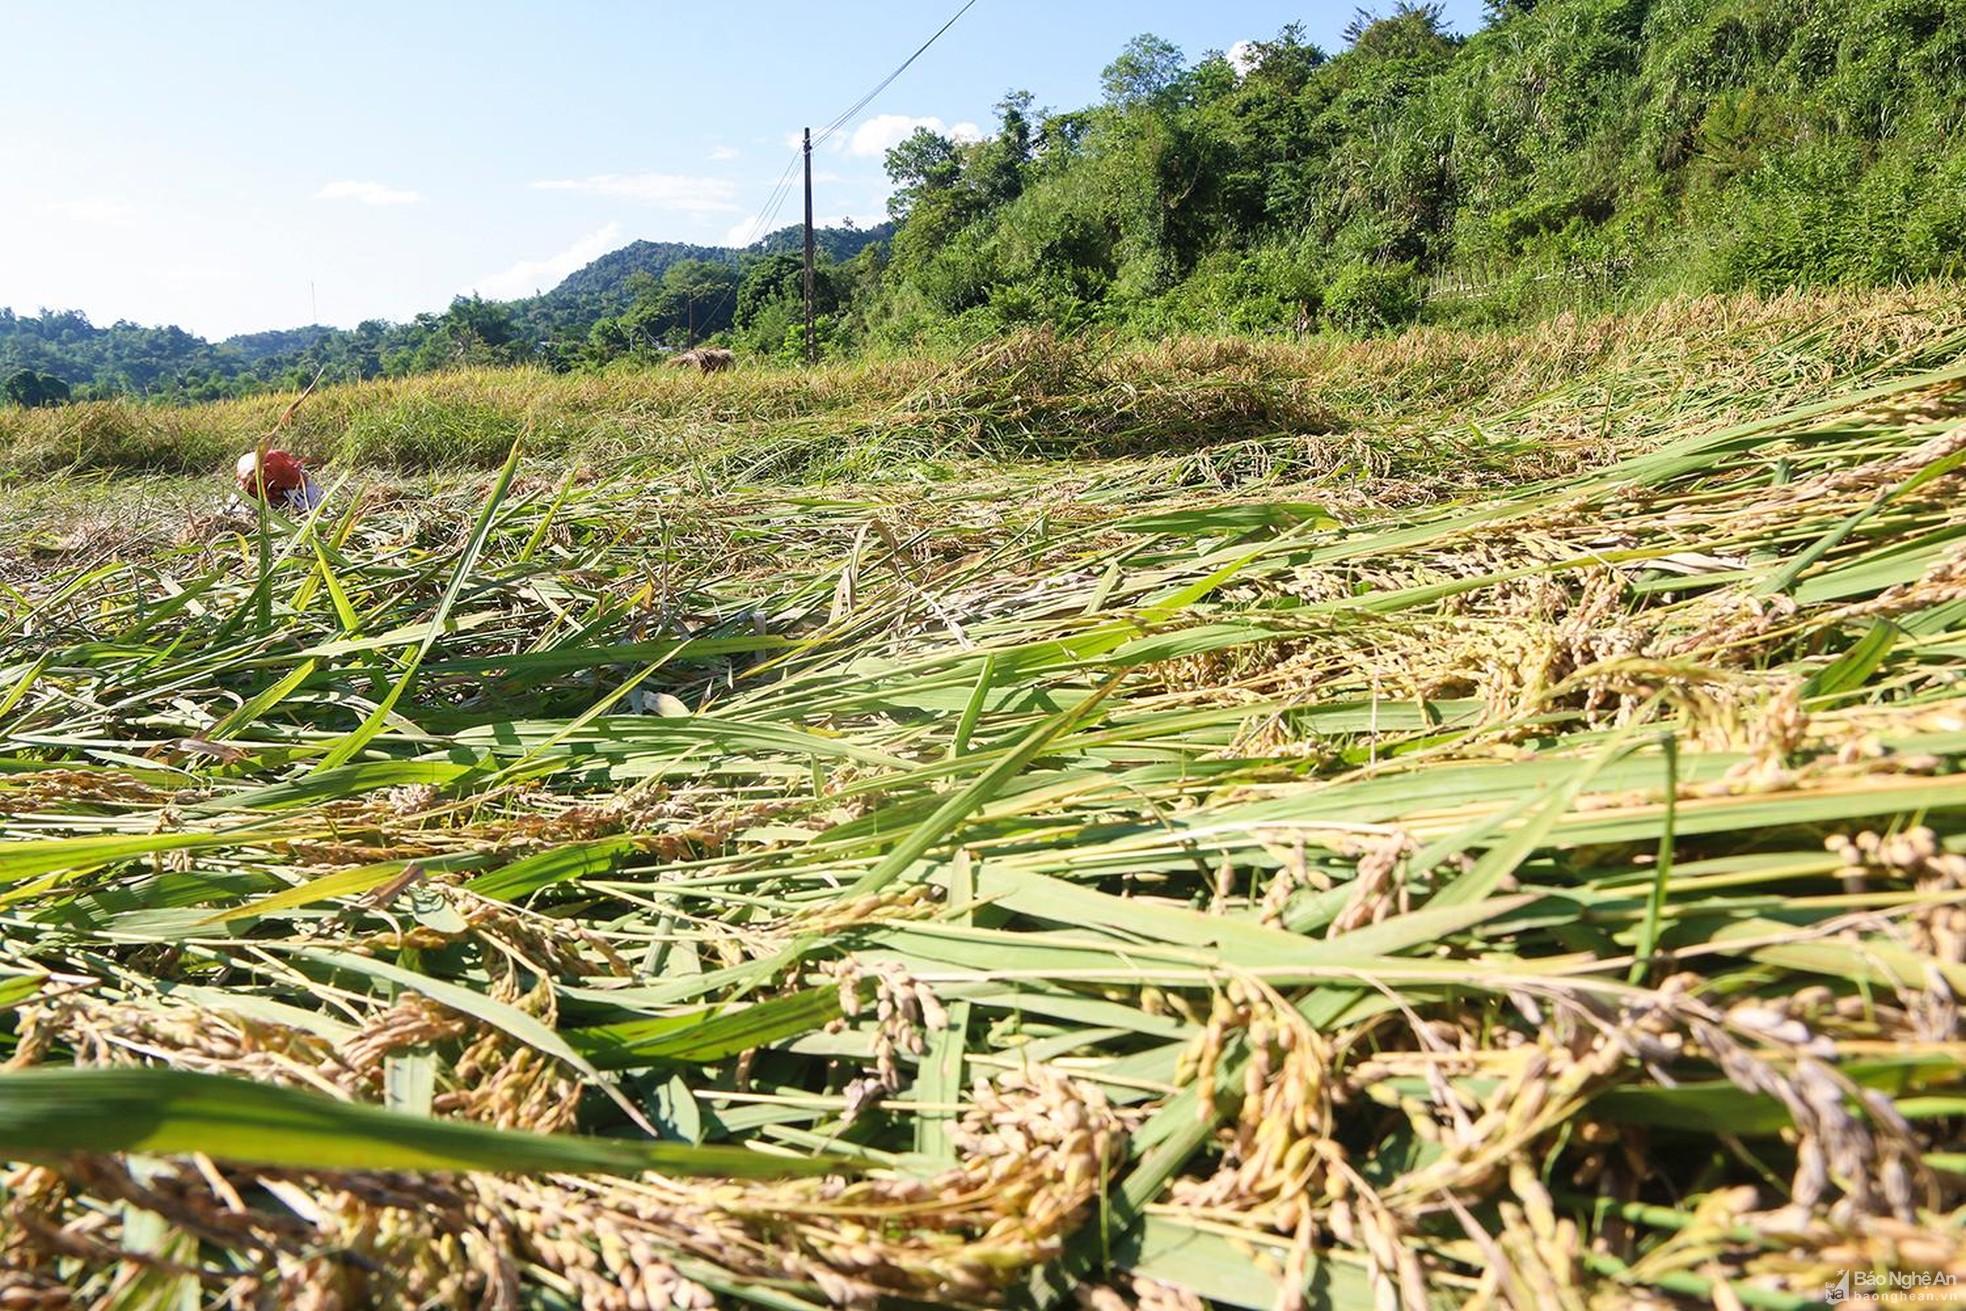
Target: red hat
283,473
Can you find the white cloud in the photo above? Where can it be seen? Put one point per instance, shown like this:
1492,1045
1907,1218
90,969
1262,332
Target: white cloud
530,275
685,194
369,193
722,153
1242,58
99,211
883,132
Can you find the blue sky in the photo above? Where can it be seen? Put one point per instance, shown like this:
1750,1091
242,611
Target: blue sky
234,166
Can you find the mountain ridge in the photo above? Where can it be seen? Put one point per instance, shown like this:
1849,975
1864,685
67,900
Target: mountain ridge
124,357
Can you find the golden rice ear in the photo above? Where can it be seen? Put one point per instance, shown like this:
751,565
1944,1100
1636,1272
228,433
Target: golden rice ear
1519,857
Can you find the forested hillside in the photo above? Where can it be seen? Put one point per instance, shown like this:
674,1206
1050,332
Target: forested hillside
646,294
1573,153
1574,150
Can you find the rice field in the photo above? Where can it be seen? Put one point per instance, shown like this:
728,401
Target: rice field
1501,844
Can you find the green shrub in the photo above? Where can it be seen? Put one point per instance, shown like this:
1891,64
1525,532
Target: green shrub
1369,297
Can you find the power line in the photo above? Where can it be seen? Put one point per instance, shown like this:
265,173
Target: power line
888,81
774,201
782,190
761,223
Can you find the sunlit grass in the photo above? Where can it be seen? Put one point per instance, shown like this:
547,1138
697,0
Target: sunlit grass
1512,849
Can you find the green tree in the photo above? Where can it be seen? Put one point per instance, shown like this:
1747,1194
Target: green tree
1148,68
477,325
606,340
997,166
34,390
771,300
923,163
697,296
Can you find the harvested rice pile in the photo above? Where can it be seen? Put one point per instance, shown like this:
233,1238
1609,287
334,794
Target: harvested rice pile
1099,882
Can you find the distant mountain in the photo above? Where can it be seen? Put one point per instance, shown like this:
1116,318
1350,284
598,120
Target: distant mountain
840,243
170,363
278,341
602,285
600,288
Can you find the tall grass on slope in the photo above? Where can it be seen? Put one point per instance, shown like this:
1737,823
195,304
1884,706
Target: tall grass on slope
1590,384
1550,897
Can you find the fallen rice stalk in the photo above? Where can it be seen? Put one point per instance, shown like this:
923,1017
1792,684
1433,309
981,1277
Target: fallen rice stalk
1152,892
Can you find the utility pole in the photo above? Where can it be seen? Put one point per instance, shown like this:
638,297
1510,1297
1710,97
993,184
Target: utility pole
812,346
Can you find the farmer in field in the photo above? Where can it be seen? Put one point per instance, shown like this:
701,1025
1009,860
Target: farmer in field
283,480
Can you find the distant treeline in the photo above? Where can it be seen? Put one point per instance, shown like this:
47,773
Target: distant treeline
1571,153
646,297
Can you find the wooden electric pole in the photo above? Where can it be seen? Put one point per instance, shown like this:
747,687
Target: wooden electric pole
812,345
